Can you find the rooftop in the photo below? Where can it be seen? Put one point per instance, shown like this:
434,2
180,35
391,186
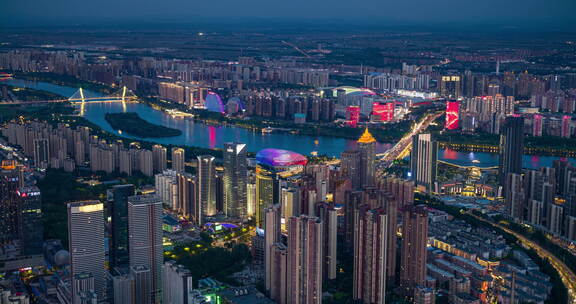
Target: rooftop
280,158
366,137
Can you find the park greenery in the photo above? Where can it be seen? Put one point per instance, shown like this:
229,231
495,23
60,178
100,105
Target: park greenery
59,187
28,94
341,287
41,112
133,124
382,133
203,260
64,80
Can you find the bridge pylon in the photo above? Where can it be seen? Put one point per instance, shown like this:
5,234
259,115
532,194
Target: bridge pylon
79,96
124,94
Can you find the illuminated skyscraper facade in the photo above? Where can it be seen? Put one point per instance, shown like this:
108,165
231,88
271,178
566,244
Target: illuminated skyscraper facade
206,186
145,239
367,148
450,86
86,244
10,181
423,161
266,189
30,229
235,179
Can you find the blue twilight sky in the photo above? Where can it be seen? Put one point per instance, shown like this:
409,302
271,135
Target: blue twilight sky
529,13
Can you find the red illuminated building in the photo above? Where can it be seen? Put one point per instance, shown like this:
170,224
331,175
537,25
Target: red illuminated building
452,113
353,115
384,112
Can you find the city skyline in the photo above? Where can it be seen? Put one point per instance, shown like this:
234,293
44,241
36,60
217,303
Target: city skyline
289,153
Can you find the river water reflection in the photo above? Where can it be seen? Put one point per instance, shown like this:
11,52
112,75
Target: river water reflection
208,136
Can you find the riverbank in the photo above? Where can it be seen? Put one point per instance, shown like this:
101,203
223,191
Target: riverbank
63,113
383,133
133,124
28,94
42,112
489,143
63,80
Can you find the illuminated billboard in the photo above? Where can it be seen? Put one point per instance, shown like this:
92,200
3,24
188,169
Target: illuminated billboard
385,112
452,113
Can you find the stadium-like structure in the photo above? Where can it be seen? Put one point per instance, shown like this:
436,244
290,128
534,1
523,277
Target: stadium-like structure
278,158
214,103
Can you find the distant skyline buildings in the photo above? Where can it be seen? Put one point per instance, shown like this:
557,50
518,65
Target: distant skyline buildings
292,210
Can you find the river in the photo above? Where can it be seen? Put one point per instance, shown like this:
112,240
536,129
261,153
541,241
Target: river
199,134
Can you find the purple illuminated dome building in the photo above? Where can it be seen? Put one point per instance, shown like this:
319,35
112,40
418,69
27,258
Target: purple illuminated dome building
214,103
273,164
278,158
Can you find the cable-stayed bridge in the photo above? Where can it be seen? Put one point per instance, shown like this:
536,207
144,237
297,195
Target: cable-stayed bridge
81,96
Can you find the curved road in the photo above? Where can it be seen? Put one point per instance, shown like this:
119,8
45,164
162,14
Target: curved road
402,147
568,277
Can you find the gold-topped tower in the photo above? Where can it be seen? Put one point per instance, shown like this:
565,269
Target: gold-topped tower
366,137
